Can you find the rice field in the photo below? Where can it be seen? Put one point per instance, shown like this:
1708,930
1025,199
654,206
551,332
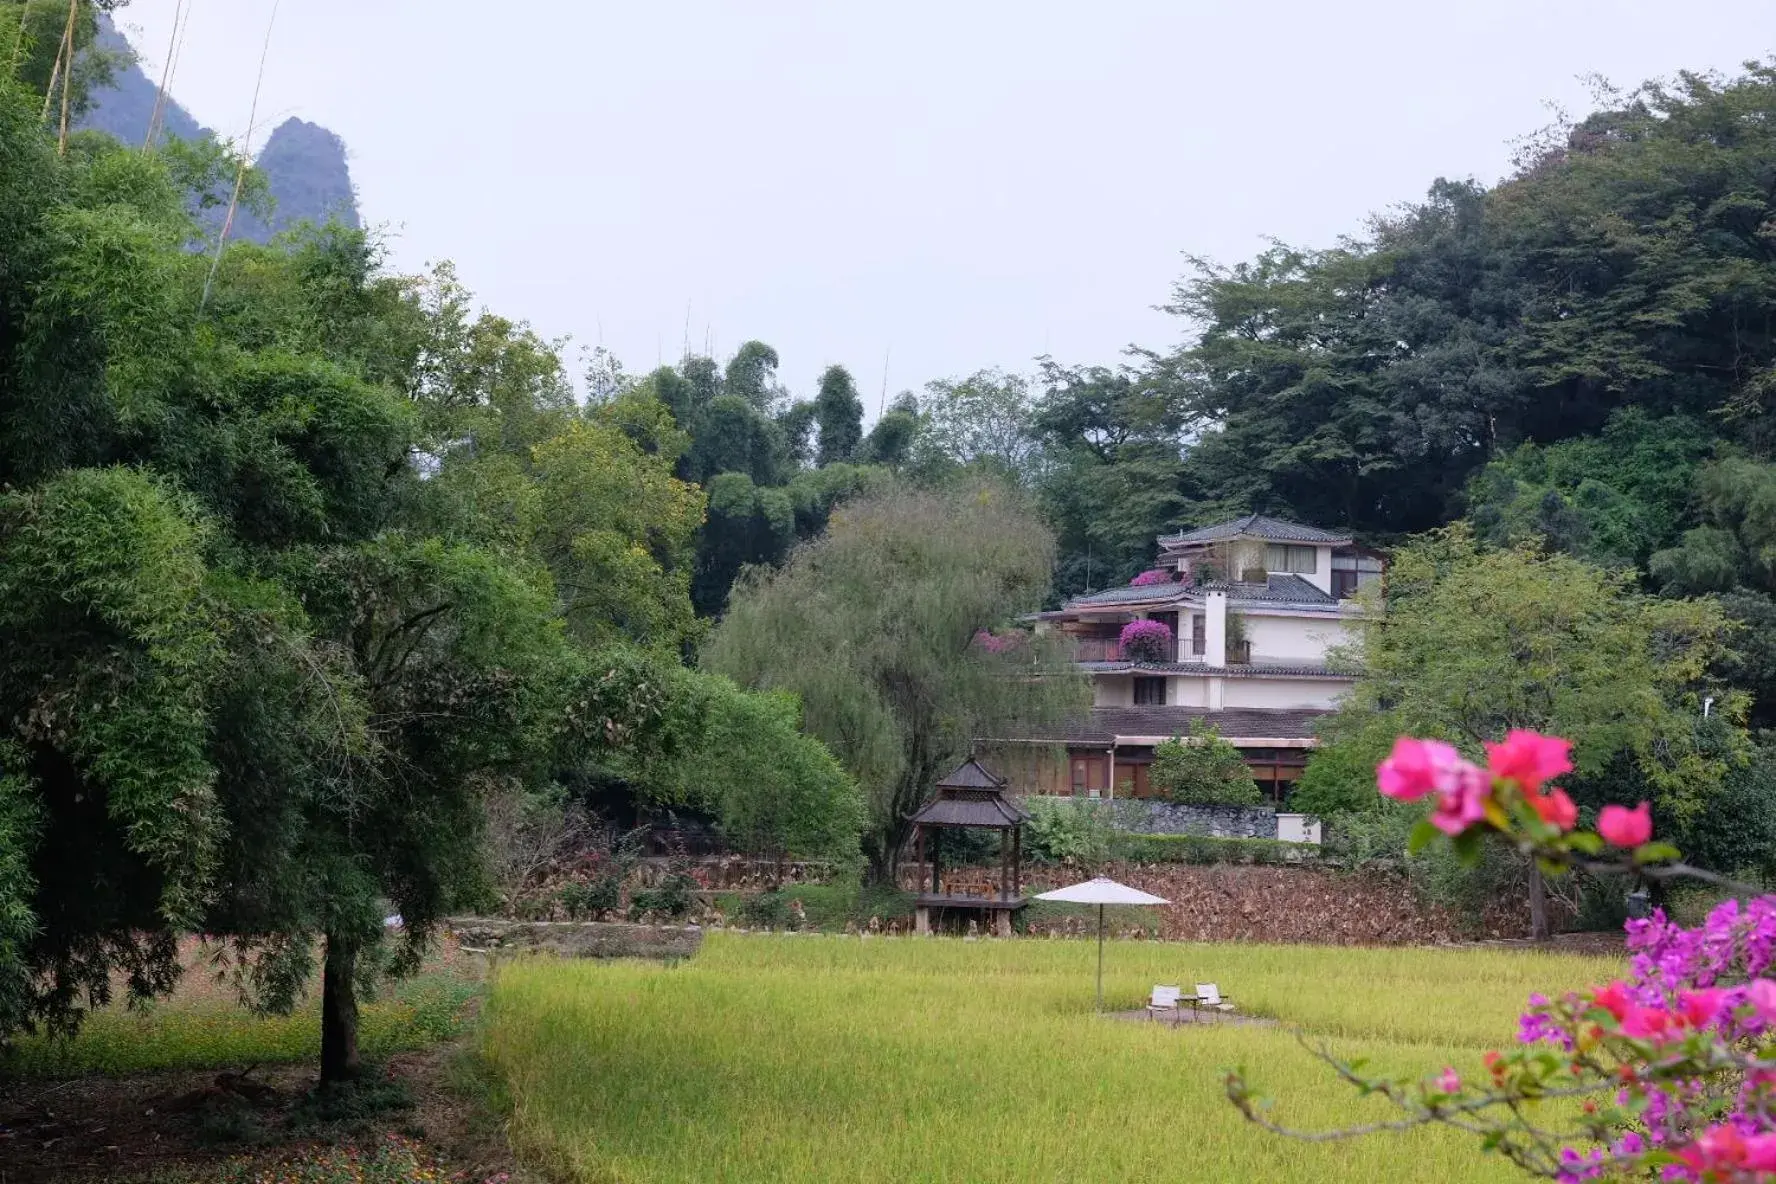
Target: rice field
827,1058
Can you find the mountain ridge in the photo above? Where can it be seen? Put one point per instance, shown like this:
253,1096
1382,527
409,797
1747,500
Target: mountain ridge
305,165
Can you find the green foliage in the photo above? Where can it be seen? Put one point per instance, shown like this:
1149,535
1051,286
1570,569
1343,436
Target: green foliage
980,423
1611,499
872,626
293,585
671,897
839,413
1340,774
1206,849
1067,830
1202,769
1110,442
1478,642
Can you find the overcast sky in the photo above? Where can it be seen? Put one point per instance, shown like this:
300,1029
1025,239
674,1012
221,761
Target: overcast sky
947,185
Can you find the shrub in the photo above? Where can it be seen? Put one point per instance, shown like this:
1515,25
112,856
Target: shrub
670,898
1146,641
585,899
1156,575
1202,770
1205,849
1067,830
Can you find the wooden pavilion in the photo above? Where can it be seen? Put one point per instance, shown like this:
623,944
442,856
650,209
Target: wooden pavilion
972,796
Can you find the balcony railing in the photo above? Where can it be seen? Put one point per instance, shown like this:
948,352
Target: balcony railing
1183,649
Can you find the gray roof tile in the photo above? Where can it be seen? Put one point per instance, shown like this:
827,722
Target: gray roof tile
1255,526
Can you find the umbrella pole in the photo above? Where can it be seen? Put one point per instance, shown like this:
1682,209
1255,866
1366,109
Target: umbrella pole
1100,957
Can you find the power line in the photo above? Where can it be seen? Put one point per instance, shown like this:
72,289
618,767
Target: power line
240,173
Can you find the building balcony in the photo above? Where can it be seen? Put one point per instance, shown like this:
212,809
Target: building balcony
1183,649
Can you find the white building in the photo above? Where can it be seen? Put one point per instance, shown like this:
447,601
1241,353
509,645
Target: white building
1257,609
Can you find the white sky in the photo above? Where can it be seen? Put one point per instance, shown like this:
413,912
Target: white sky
953,185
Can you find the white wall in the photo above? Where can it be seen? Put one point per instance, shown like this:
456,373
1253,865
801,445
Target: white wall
1295,639
1321,576
1188,692
1285,693
1113,690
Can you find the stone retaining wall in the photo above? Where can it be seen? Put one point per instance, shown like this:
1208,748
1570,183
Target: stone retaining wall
577,939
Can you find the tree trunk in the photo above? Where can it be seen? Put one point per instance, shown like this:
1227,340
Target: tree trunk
1538,904
339,1013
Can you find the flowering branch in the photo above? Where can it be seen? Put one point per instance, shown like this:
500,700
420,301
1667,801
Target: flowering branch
1674,1068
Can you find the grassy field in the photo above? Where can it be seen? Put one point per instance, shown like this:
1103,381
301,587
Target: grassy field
814,1058
203,1025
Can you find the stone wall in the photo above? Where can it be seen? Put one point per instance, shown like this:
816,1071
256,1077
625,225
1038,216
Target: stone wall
1148,817
577,939
1221,822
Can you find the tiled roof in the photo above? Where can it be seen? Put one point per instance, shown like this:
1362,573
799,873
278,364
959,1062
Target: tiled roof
1131,595
972,809
1255,526
1276,589
1106,724
1245,670
971,774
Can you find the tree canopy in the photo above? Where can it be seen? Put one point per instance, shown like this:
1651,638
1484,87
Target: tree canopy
298,578
873,625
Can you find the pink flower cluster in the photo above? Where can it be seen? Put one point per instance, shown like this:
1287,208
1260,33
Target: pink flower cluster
997,643
1529,760
1688,1028
1155,575
1145,641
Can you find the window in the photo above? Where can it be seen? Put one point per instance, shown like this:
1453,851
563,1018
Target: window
1351,572
1286,557
1199,635
1150,692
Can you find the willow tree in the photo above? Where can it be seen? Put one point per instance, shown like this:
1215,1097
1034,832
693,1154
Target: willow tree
874,627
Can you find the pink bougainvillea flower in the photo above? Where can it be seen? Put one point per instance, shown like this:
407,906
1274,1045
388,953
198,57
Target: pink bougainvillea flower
1157,575
1555,809
1449,1081
1464,803
1760,1153
1700,1007
1529,758
1649,1023
1416,768
1762,997
1719,1148
1614,999
1622,827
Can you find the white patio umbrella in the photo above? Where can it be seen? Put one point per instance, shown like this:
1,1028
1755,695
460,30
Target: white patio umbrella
1101,891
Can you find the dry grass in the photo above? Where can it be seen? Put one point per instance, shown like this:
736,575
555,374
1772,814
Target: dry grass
798,1058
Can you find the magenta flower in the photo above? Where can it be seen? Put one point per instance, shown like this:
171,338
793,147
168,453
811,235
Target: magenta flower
1465,803
1529,758
1449,1081
1157,575
1416,768
1145,641
1622,827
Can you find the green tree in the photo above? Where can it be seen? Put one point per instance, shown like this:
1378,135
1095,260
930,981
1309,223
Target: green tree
873,626
1612,499
1112,479
294,583
839,413
1202,769
981,422
752,374
1477,642
890,442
